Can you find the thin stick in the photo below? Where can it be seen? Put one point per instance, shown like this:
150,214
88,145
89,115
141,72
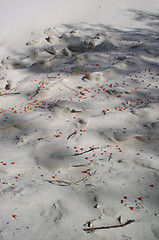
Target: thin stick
71,135
77,154
91,149
81,165
5,94
108,227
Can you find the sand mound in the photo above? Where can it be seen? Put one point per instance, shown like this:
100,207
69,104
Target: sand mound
106,45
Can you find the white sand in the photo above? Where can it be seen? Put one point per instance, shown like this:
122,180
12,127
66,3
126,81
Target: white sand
79,103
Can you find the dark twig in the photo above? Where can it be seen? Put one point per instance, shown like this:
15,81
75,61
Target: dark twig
71,135
77,154
91,149
108,227
6,94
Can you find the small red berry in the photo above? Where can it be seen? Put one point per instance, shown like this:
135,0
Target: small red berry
132,208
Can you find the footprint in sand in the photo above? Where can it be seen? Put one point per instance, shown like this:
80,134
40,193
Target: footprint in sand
110,73
154,125
15,63
66,108
51,31
58,211
81,123
94,77
110,211
52,156
129,137
78,47
118,92
3,83
47,64
10,84
35,42
51,50
94,41
155,230
66,52
39,93
141,112
51,39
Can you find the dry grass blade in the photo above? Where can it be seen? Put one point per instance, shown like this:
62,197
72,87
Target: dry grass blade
72,183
